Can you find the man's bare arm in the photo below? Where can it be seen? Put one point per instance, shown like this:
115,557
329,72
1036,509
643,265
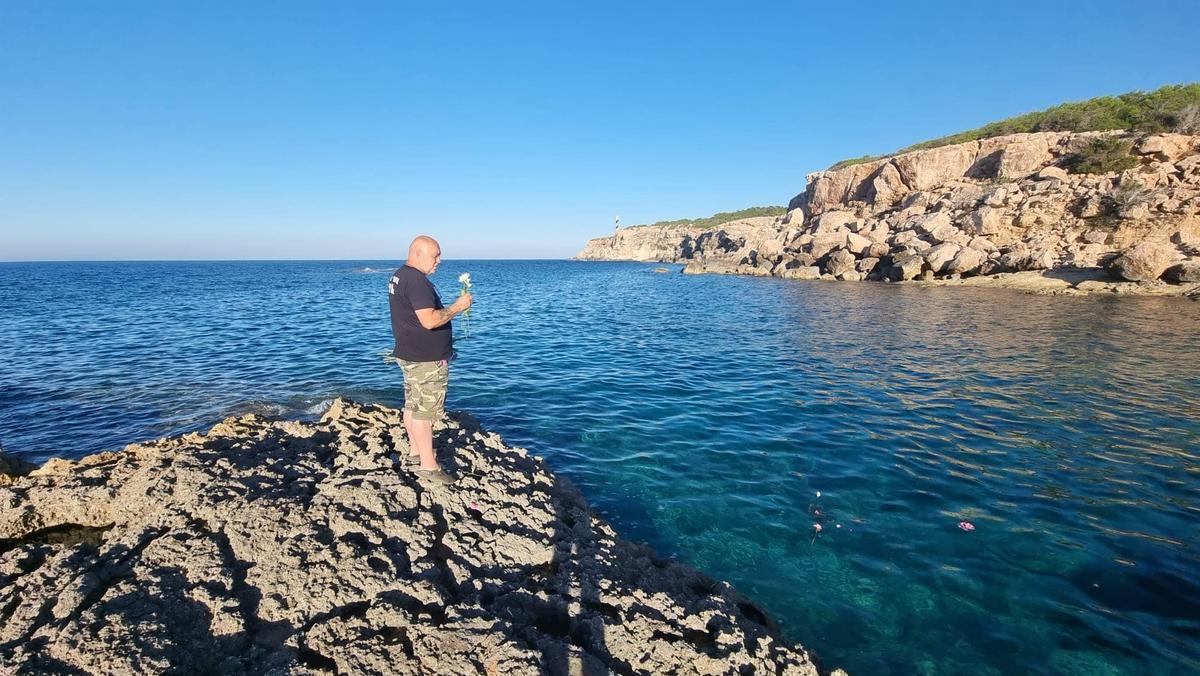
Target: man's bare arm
431,318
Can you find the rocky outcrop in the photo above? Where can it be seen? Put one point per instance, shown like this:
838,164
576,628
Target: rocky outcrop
1145,262
671,244
1003,204
286,547
998,205
640,243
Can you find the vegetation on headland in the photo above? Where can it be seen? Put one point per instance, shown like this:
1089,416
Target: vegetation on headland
717,219
1171,108
1102,156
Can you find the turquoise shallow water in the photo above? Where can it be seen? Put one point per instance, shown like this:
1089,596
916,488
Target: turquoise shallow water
704,414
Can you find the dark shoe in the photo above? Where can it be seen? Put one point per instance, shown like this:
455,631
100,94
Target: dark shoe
434,477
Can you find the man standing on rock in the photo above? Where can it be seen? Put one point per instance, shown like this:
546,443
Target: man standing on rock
421,326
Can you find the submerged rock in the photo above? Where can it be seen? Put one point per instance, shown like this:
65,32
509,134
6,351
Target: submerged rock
287,547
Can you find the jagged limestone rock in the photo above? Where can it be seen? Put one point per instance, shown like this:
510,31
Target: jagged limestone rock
287,547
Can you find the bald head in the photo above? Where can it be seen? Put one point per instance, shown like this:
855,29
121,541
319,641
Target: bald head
424,254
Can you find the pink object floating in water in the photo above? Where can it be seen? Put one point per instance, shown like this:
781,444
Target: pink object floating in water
966,525
817,527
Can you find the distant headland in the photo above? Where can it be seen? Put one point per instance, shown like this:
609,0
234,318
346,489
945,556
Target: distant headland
1095,196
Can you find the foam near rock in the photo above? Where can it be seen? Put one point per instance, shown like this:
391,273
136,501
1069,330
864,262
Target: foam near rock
287,547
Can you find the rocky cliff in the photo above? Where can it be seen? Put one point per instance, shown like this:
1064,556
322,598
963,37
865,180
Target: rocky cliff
285,547
675,243
1004,204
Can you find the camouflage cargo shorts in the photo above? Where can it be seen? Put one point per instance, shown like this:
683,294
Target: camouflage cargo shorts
425,384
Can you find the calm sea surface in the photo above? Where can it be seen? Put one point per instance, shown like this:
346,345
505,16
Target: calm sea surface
719,419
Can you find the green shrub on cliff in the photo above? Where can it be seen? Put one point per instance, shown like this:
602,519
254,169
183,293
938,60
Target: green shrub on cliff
1170,108
1102,156
857,160
718,218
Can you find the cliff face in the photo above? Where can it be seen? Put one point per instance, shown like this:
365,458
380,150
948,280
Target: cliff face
1003,204
675,244
284,547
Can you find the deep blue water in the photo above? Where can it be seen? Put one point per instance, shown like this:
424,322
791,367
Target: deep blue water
704,414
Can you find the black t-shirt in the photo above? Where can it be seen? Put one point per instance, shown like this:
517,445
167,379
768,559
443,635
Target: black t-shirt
410,290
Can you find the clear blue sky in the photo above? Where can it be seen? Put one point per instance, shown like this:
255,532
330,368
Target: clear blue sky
234,130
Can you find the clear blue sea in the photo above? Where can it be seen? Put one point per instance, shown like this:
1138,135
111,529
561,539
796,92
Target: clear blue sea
719,419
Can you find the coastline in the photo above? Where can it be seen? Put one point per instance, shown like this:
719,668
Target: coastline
1056,282
265,545
997,206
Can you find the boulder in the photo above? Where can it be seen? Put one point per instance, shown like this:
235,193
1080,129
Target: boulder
1095,236
794,217
1012,257
805,260
795,260
866,265
1145,262
832,221
949,233
805,272
986,221
878,250
1189,235
1186,272
825,242
989,267
876,231
939,256
982,244
996,196
1166,147
1039,259
1023,157
907,266
931,223
1054,173
963,196
840,262
966,261
858,244
904,237
1189,166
